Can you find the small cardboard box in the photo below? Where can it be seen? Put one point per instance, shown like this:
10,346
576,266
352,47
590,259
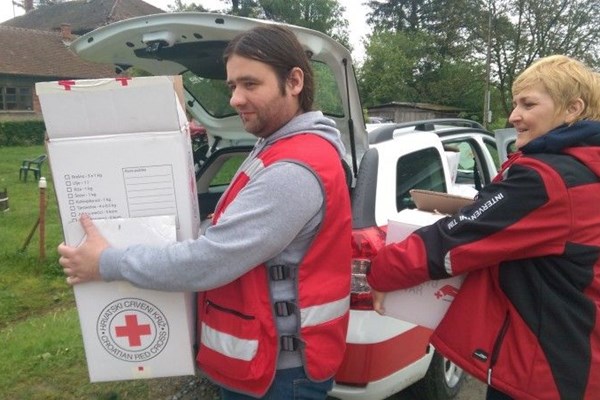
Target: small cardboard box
424,304
437,202
120,151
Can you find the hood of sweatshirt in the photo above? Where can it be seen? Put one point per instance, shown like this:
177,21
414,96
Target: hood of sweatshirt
313,122
580,140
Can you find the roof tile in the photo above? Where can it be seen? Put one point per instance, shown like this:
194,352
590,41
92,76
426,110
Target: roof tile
40,53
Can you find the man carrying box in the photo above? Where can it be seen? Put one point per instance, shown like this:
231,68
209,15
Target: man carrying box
274,268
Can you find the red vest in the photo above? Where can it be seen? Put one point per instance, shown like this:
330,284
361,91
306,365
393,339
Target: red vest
239,342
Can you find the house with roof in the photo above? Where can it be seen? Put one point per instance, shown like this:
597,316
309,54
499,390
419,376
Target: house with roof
405,111
34,48
83,15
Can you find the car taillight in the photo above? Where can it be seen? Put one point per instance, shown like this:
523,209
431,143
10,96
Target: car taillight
365,244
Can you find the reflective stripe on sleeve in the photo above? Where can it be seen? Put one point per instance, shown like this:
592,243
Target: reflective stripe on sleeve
229,345
315,315
448,264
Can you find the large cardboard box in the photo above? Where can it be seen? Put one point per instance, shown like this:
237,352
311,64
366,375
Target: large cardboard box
424,304
120,151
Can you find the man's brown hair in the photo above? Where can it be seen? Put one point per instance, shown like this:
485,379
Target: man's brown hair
277,46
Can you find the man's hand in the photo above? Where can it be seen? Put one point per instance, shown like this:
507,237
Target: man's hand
81,264
378,301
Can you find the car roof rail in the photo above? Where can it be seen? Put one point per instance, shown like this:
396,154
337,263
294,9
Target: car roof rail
429,125
386,131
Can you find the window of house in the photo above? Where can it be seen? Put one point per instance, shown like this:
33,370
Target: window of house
15,98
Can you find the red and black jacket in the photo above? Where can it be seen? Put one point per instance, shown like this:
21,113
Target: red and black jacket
526,318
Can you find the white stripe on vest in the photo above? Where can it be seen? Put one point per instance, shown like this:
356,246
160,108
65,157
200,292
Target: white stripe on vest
315,315
244,349
231,346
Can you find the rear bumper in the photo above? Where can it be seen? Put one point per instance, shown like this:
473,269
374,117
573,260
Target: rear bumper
383,356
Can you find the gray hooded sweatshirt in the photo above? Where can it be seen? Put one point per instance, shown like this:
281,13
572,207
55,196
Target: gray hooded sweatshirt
272,220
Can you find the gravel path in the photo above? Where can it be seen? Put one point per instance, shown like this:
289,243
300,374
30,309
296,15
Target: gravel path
200,388
192,388
182,388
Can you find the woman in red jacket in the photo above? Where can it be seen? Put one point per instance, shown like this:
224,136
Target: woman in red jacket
527,318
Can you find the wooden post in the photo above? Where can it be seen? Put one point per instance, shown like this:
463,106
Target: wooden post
4,200
42,224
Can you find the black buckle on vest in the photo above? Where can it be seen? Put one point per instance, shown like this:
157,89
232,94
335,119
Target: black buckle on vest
290,343
280,272
284,308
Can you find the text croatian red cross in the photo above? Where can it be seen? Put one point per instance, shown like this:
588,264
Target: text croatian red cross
132,330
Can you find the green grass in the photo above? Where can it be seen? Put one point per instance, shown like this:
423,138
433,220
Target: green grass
41,351
31,280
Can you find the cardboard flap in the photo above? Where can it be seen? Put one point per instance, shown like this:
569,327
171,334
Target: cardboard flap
123,232
438,202
98,107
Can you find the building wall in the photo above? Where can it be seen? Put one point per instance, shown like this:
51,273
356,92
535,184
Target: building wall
405,114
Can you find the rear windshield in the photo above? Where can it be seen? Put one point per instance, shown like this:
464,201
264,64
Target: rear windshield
205,77
213,93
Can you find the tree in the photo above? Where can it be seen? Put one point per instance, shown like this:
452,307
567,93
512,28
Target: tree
322,15
396,15
521,31
37,3
325,16
404,67
178,6
525,30
389,68
430,52
449,23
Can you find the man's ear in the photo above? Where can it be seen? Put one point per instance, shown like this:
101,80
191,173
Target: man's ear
295,81
574,110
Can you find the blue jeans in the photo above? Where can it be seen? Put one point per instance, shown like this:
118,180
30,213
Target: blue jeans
289,384
494,394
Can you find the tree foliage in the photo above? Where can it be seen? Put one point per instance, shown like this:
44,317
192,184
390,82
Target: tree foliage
405,67
388,71
525,30
325,16
179,6
446,43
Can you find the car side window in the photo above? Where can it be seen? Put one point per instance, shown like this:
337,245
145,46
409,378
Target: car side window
493,150
225,175
470,163
327,95
511,147
422,169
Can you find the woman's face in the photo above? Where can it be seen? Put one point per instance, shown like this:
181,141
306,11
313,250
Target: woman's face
534,114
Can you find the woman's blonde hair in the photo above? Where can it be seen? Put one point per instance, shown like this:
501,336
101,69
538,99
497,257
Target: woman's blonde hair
566,80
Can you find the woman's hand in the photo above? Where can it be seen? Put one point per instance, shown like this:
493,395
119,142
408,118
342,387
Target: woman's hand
378,301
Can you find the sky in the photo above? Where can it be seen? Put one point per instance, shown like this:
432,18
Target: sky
355,14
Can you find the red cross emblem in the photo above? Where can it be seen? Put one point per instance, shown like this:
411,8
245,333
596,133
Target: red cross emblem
133,330
123,80
66,84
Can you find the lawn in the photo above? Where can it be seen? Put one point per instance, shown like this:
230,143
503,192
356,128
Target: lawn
42,350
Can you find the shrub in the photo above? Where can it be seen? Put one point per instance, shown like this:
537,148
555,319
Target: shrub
22,133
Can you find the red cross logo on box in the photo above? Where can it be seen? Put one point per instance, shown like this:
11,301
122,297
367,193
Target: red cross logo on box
133,330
